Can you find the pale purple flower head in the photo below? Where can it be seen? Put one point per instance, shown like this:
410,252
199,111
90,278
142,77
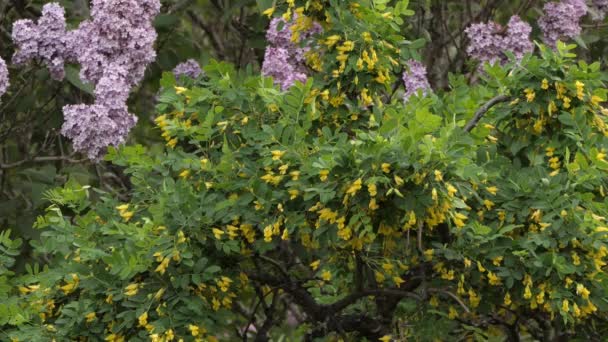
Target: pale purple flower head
284,60
278,63
189,68
4,83
93,128
489,41
415,79
45,40
561,20
113,49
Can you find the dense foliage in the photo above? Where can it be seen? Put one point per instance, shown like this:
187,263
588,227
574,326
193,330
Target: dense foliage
327,202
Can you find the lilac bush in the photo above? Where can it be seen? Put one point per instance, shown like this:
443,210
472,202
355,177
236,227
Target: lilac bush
113,48
3,77
189,68
284,59
489,41
561,20
415,79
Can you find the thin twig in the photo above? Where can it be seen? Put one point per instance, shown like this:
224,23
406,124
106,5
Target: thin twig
483,110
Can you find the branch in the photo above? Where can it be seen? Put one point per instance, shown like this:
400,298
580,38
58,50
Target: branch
41,160
483,110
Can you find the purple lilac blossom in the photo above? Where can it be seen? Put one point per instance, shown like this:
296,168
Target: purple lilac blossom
561,20
600,8
113,48
45,40
415,79
3,77
284,60
189,68
488,41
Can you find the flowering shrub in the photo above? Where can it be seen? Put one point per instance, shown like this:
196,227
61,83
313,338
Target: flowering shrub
330,209
113,48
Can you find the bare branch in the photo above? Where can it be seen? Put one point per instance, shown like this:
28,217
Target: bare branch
483,110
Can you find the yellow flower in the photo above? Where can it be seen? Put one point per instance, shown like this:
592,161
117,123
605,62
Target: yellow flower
179,90
580,88
480,268
162,267
194,330
293,193
488,204
494,279
323,175
332,40
276,154
467,262
143,319
398,281
285,235
315,264
565,306
544,84
373,205
492,189
217,233
428,254
204,163
184,174
131,289
283,169
326,275
268,12
123,207
372,189
398,180
530,95
295,175
386,167
90,317
451,190
582,291
438,175
452,313
385,338
268,233
171,143
356,186
496,261
566,102
527,292
507,300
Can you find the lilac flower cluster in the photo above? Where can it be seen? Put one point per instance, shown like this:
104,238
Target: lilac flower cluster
3,77
561,20
284,60
488,41
415,79
600,8
46,40
113,48
189,68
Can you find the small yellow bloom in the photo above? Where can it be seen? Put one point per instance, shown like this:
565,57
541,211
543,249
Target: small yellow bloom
194,330
326,275
295,175
492,189
91,316
544,84
507,300
398,281
143,319
565,305
323,175
293,193
276,154
398,180
530,95
268,12
179,90
315,264
217,233
184,174
386,167
385,338
452,313
131,289
438,175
